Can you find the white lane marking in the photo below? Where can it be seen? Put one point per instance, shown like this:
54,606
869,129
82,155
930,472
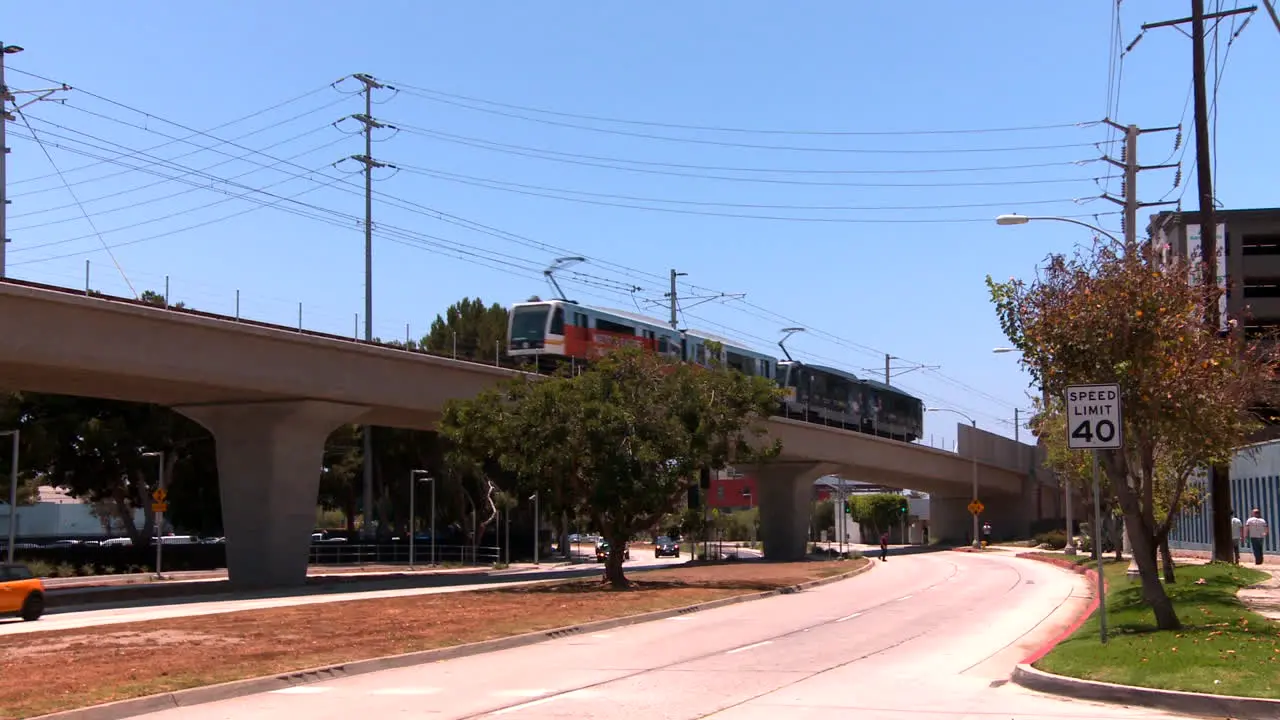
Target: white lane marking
849,617
542,701
601,636
680,617
407,691
301,690
749,647
905,597
520,693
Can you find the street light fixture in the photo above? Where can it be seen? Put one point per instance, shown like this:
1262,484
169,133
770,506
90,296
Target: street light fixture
415,477
13,486
1013,219
536,528
973,452
159,455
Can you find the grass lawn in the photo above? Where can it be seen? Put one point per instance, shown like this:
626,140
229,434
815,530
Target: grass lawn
1222,648
66,669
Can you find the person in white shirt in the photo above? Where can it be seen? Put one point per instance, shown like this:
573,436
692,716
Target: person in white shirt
1237,536
1255,528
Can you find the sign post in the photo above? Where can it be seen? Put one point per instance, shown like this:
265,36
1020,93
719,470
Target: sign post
1094,423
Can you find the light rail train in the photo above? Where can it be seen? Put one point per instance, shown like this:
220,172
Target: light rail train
559,332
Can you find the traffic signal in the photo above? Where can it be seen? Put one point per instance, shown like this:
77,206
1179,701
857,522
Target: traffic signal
848,506
904,508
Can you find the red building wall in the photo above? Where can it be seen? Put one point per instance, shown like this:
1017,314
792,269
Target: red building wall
732,492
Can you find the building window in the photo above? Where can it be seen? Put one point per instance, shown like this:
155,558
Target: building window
1260,244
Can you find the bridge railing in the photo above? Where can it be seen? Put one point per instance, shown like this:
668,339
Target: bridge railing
398,554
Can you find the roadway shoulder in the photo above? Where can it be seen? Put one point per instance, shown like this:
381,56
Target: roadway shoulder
240,688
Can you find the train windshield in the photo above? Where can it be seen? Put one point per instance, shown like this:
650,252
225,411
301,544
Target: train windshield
529,323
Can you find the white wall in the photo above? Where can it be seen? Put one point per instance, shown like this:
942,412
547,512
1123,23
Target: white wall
57,519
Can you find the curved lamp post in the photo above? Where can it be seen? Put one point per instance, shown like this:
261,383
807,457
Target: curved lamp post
1014,219
973,453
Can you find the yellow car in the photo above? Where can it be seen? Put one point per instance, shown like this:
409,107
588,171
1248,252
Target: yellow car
21,593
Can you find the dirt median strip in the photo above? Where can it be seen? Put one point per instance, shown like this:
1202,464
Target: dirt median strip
80,668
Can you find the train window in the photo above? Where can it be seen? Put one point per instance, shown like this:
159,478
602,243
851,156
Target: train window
580,320
613,327
557,321
663,345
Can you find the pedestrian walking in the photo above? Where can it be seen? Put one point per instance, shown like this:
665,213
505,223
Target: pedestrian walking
1237,536
1256,529
884,546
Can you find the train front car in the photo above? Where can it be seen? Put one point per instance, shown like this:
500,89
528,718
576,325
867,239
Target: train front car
892,413
536,330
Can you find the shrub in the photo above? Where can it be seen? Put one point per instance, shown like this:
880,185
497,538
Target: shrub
1055,539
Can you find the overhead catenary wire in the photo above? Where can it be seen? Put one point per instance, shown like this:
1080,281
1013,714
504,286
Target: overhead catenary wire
759,131
762,146
52,163
702,203
165,179
229,123
650,169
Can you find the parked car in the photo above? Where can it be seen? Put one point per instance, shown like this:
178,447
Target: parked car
21,592
666,547
602,551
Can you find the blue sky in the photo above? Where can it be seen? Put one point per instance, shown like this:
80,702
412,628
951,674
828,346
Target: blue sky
878,242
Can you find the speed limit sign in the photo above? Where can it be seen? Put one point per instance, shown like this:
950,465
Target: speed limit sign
1093,417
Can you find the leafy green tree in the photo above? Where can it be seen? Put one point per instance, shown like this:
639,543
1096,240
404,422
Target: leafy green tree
1109,316
621,441
151,297
96,450
879,510
474,329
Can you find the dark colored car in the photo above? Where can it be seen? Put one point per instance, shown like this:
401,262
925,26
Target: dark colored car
666,547
602,551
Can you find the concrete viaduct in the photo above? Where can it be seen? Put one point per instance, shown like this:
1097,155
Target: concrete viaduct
271,395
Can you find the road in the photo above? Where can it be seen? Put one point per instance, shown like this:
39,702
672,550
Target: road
930,636
149,610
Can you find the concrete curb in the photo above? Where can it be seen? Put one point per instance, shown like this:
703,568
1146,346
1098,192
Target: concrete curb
239,688
1075,625
1172,700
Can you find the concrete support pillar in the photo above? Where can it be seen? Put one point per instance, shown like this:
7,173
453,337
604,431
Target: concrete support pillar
269,460
786,502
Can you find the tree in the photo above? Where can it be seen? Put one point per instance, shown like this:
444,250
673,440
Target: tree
151,297
1104,315
474,329
96,450
879,510
621,441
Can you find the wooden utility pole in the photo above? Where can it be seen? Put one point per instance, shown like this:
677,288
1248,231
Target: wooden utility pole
1219,476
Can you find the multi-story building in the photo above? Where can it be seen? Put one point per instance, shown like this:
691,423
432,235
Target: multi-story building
1248,249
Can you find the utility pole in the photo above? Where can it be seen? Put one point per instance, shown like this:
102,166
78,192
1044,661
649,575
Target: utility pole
675,307
1129,187
9,96
1219,475
5,98
370,124
888,370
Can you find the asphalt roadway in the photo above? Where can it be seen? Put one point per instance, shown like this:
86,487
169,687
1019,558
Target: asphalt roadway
114,613
926,636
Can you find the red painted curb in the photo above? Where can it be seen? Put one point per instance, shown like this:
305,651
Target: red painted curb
1075,624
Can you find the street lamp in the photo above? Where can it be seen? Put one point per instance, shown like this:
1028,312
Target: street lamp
415,477
1012,219
13,489
536,528
159,455
973,452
